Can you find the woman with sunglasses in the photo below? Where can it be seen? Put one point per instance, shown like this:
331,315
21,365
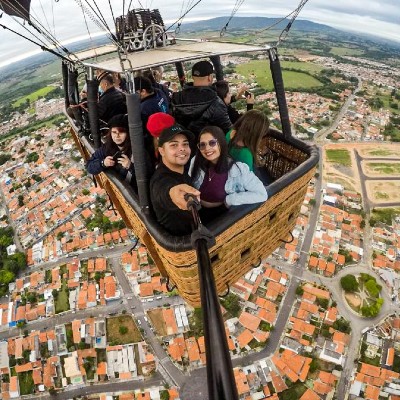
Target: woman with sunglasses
222,181
116,152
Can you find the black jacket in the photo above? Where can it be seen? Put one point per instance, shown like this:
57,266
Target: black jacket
111,102
175,220
198,106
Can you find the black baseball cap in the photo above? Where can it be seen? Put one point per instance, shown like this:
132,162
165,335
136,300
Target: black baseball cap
202,68
169,133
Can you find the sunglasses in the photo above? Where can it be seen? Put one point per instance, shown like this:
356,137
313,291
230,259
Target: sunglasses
211,143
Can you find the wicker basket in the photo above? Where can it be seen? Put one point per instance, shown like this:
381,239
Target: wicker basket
246,241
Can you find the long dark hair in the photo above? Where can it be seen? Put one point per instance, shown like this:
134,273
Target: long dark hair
224,162
250,129
110,147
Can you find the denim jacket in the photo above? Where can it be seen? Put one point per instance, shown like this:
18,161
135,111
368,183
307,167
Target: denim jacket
241,187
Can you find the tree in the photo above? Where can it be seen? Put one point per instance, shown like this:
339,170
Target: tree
342,325
54,293
57,165
85,192
20,200
164,395
232,303
123,330
300,290
349,283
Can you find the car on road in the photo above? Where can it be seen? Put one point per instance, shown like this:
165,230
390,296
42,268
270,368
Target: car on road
139,322
145,318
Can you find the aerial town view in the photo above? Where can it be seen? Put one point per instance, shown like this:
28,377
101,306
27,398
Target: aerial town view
94,304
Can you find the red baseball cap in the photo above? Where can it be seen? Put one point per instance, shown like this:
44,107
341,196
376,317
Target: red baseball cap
158,122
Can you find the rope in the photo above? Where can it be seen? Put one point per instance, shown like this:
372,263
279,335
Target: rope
234,11
295,13
183,15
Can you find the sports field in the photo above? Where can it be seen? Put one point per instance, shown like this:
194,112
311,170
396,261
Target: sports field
34,95
259,70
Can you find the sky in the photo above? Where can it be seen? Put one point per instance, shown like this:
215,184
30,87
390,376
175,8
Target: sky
64,18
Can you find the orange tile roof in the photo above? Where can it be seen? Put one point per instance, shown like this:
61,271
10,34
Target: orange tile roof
193,349
146,289
310,395
371,392
102,368
244,338
249,321
277,382
170,321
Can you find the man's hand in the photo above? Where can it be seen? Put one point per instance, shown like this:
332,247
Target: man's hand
177,194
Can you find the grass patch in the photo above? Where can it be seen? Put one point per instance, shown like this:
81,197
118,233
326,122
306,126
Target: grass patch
34,95
346,51
62,303
26,385
295,392
385,168
339,156
381,152
157,321
303,66
384,215
293,80
115,337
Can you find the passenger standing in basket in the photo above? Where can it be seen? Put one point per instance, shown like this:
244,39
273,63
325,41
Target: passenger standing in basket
222,181
170,182
198,105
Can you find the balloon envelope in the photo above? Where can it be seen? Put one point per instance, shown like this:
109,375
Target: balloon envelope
17,8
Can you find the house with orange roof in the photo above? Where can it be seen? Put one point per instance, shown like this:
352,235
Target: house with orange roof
177,349
13,388
249,321
331,315
146,289
92,295
170,321
244,338
100,265
333,352
110,288
193,351
146,358
50,371
242,385
310,395
277,382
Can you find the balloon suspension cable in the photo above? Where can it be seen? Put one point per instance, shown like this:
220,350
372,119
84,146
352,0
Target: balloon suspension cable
44,48
234,11
179,20
295,13
21,10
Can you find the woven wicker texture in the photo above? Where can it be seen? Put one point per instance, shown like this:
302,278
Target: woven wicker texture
240,247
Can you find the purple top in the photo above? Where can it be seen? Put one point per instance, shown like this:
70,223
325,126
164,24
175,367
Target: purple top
213,187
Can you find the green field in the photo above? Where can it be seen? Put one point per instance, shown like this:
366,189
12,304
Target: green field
292,79
303,66
382,152
346,51
339,156
115,337
385,168
34,95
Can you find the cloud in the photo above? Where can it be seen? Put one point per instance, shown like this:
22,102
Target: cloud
65,20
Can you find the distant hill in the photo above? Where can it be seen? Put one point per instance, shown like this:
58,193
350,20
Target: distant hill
245,23
237,25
